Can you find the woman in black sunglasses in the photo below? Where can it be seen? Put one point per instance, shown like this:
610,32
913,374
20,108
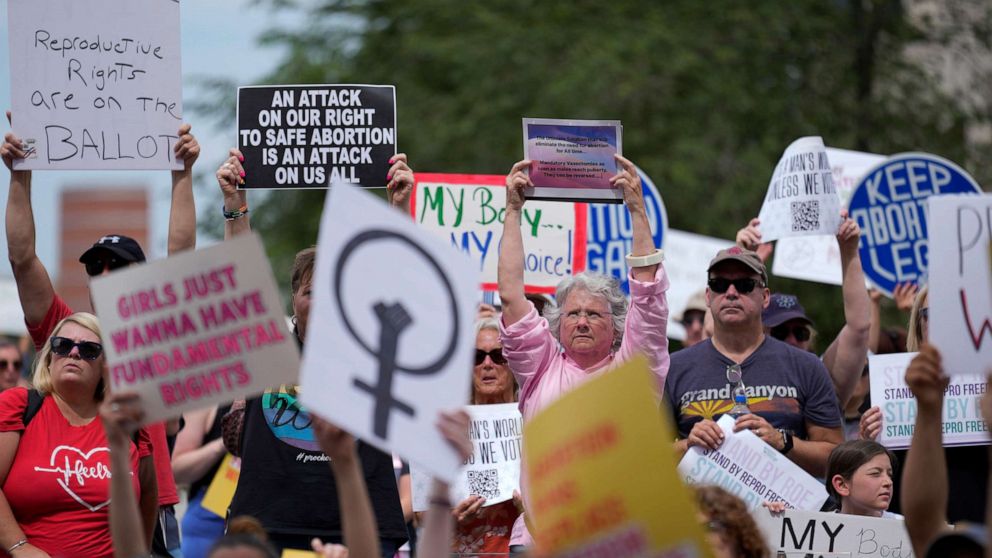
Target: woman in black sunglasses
54,456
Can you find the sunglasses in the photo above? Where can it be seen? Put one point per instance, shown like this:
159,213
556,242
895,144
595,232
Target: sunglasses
496,355
735,373
15,364
743,285
89,350
96,266
801,333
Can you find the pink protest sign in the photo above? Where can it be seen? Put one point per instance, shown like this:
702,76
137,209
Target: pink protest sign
197,329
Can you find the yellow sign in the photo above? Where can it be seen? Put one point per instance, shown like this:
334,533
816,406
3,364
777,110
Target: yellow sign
601,473
290,553
221,490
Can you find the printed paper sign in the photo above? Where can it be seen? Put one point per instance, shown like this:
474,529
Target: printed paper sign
610,233
468,210
855,536
596,489
493,471
962,418
889,207
96,84
817,258
961,282
801,199
220,493
391,333
573,159
200,328
753,471
312,136
687,256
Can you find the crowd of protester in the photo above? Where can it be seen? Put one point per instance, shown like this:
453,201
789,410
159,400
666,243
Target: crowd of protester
309,485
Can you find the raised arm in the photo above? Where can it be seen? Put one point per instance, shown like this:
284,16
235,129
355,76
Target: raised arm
229,176
924,476
34,287
399,183
633,197
121,413
749,238
845,357
875,319
182,214
438,523
510,268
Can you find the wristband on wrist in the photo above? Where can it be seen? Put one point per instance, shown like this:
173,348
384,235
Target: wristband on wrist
653,258
17,545
236,214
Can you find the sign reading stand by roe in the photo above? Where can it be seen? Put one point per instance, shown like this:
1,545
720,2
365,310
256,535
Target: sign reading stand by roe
312,136
95,84
801,198
573,159
197,329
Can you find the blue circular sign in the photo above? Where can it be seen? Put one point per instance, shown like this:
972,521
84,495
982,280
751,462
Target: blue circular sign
890,206
609,232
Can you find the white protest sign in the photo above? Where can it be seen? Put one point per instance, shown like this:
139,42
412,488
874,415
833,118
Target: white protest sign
200,328
468,210
96,84
856,536
962,423
493,470
687,256
817,258
390,338
801,198
961,281
753,471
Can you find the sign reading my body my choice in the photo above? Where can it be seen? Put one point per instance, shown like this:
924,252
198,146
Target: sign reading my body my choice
890,207
311,136
96,84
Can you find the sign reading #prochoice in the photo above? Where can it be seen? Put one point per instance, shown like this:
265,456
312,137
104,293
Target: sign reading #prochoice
610,232
890,206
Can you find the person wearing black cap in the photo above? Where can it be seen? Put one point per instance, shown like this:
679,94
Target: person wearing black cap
44,308
788,391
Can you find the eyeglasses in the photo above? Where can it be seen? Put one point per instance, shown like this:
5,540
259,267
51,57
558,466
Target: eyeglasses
801,333
735,373
496,355
15,364
591,316
96,266
744,285
925,314
89,350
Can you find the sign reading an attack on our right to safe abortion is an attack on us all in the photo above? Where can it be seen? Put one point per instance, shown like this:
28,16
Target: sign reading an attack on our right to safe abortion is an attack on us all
890,206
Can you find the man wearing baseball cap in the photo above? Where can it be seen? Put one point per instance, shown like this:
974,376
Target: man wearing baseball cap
791,400
44,308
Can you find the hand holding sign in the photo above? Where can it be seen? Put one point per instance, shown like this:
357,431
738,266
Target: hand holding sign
401,182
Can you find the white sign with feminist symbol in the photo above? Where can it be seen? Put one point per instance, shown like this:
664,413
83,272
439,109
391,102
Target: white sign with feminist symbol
391,331
801,198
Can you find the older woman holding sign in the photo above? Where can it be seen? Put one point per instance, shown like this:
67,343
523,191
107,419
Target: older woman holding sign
591,330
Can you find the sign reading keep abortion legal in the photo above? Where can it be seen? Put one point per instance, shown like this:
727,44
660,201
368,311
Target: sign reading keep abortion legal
890,206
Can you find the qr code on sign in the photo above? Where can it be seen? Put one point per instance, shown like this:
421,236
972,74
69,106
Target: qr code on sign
805,216
484,483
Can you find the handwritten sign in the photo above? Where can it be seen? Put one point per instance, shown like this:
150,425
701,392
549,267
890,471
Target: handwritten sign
311,136
889,207
962,423
817,258
197,329
493,470
573,159
96,84
855,536
961,281
595,487
801,199
469,209
395,306
752,470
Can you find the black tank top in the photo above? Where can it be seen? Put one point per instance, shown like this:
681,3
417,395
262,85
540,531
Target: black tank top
203,482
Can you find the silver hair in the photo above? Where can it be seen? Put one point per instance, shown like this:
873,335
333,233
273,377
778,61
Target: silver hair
596,284
486,323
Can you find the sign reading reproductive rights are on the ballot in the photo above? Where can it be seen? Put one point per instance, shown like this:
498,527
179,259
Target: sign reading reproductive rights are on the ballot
200,328
95,84
469,209
890,207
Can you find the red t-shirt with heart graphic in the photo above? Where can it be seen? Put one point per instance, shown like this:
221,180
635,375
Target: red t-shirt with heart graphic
58,485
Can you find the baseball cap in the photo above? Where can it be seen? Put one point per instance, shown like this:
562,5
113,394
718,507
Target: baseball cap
971,538
123,247
746,257
782,308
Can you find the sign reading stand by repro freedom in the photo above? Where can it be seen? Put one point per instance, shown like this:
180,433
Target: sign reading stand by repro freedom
312,136
95,84
200,328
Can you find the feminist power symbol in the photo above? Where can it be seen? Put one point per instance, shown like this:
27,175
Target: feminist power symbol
393,319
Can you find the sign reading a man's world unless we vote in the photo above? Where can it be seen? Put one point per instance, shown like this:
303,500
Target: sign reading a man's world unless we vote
311,136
